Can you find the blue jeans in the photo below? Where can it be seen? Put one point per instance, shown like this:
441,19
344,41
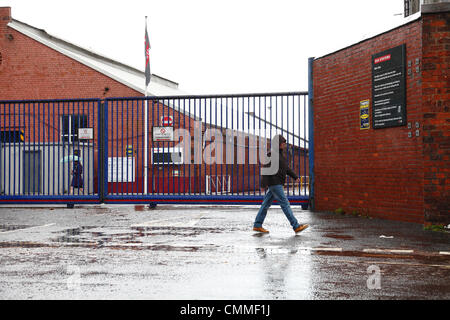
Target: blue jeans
275,193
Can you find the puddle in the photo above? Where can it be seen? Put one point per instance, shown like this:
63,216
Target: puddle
137,235
339,236
4,228
361,254
24,244
73,235
259,234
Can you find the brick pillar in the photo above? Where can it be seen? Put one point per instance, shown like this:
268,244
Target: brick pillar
5,15
5,18
436,115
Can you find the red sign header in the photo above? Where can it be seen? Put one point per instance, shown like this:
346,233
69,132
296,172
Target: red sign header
382,59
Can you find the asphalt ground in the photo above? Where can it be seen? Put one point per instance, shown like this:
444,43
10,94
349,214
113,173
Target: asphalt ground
210,252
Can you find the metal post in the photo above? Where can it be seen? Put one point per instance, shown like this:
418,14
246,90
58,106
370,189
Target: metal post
145,143
311,131
103,157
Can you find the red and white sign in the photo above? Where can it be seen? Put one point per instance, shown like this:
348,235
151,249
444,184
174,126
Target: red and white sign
382,59
166,121
86,133
162,133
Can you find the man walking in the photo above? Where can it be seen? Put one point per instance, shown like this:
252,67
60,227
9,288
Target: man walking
275,190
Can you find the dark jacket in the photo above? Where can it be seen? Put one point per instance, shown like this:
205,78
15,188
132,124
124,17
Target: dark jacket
77,173
280,176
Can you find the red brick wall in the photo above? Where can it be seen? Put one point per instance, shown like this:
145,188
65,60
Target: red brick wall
384,173
40,72
436,117
372,172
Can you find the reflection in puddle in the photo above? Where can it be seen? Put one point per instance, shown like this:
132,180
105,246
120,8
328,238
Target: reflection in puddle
4,228
339,236
275,267
72,235
279,266
95,236
259,234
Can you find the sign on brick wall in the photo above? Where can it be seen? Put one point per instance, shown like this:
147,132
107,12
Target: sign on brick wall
364,114
389,88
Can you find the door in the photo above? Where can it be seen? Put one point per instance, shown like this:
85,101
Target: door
32,172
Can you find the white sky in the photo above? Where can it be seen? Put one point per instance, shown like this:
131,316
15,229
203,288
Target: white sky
212,46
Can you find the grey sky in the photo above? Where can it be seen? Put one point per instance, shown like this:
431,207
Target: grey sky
208,46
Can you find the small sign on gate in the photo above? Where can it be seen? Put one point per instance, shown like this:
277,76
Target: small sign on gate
166,121
86,133
129,151
162,133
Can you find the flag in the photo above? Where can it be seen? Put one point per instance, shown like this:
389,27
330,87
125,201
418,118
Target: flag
147,56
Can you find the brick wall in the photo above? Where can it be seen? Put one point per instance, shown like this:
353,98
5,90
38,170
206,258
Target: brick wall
40,72
436,117
371,172
385,173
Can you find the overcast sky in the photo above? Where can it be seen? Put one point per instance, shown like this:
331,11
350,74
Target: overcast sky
211,46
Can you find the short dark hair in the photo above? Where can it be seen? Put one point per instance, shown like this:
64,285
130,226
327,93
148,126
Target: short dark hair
278,138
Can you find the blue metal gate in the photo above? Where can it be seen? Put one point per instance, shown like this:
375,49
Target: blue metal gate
38,142
186,149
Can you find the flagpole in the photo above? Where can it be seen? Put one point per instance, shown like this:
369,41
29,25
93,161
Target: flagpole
146,124
146,144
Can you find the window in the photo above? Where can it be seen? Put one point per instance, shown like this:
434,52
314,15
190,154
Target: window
412,6
12,136
167,155
70,125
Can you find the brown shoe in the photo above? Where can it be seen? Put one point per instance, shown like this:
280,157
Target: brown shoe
261,229
301,228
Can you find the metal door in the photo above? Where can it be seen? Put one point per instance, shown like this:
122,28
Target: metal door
32,172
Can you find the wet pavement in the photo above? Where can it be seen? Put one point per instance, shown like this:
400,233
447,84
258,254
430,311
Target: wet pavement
210,252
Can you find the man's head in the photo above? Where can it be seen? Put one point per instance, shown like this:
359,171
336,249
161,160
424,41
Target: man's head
280,141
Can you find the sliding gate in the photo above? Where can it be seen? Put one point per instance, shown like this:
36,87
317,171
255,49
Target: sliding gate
186,149
39,141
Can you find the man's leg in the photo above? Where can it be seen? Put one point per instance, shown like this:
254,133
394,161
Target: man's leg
278,193
268,199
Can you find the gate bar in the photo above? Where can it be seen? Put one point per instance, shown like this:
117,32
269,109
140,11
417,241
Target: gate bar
311,130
